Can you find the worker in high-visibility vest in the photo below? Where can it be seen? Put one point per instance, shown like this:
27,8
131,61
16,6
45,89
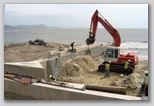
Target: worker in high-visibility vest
51,77
144,87
60,48
107,69
72,45
126,66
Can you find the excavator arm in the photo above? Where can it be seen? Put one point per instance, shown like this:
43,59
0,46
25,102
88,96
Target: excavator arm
93,28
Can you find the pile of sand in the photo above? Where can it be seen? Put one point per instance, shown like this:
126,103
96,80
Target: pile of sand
78,66
17,52
132,82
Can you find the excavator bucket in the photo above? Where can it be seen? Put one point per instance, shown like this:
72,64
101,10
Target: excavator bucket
90,41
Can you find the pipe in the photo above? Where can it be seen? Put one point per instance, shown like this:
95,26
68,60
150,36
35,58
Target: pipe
110,89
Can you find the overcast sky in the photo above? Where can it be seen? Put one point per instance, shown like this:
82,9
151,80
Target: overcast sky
76,15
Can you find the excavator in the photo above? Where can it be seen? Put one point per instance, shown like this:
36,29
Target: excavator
112,53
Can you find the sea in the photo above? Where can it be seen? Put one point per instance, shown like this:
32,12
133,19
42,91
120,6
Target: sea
132,40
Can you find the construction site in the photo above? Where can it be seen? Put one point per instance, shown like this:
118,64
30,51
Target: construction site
40,71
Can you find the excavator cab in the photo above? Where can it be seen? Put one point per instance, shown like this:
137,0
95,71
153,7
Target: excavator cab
112,54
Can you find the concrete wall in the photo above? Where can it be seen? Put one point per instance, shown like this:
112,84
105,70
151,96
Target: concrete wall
56,64
50,92
34,71
43,68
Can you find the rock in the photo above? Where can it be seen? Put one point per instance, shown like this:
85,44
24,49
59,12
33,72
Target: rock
39,42
121,75
114,83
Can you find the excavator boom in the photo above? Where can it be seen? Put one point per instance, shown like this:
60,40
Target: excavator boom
93,28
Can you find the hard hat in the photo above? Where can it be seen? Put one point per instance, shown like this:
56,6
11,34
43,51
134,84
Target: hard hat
50,76
109,61
145,72
129,60
73,40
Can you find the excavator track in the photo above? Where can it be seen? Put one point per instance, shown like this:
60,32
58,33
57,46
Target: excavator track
115,68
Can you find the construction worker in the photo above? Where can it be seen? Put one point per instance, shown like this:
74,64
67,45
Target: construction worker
144,87
126,66
51,77
60,48
72,45
107,69
146,84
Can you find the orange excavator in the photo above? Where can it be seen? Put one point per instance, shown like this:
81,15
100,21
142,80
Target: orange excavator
112,53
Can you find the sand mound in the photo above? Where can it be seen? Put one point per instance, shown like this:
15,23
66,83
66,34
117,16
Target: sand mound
17,52
71,69
132,81
78,66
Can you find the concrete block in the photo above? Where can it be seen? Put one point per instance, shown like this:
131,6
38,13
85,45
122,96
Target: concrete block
52,54
94,45
62,53
81,49
49,92
35,69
